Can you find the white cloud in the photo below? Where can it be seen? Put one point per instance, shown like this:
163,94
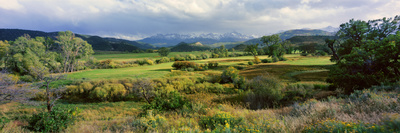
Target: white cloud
148,17
11,5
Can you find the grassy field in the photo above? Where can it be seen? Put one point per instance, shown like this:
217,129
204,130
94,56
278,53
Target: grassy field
295,63
298,111
135,56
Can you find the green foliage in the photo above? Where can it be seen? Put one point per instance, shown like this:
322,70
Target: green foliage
336,126
163,60
367,55
145,61
252,49
151,123
54,121
250,63
163,51
257,60
276,47
170,102
3,121
220,52
266,61
282,59
231,75
212,64
266,91
205,56
275,59
179,65
220,119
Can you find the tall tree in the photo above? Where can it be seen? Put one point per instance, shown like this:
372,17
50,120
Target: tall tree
71,50
276,47
252,49
164,51
366,53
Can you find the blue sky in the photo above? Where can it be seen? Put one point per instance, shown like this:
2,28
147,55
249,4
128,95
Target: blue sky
135,19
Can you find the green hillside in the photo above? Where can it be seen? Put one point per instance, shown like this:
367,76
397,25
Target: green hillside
185,47
98,43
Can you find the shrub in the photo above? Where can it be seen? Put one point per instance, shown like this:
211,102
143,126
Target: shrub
282,59
172,101
212,64
219,119
335,126
190,57
178,65
205,56
145,61
27,78
229,75
3,122
55,121
266,61
304,54
151,123
275,59
266,91
163,60
251,63
257,60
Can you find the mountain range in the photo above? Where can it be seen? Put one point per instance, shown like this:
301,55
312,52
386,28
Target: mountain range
230,39
166,40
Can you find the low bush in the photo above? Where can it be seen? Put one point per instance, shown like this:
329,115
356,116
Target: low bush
304,54
190,57
205,56
335,126
145,61
172,101
163,60
282,59
55,121
266,91
3,122
257,60
266,61
250,63
178,65
220,119
275,59
212,64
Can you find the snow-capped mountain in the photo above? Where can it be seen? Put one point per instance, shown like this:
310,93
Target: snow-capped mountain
164,40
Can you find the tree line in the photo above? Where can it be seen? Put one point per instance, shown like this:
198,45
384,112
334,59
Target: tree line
26,55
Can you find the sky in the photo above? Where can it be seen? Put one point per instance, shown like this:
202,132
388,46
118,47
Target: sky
136,19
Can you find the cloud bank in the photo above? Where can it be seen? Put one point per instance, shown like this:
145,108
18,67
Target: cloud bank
135,19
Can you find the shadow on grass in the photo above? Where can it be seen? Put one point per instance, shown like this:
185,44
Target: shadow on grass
168,70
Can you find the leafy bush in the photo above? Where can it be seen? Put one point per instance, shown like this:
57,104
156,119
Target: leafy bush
282,59
265,91
3,122
219,119
212,64
163,60
205,56
172,101
266,61
55,121
251,63
275,59
257,60
151,123
335,126
229,75
27,78
304,54
145,61
178,65
191,57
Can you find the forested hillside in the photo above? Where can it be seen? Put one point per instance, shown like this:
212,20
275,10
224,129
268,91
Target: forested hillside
98,43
